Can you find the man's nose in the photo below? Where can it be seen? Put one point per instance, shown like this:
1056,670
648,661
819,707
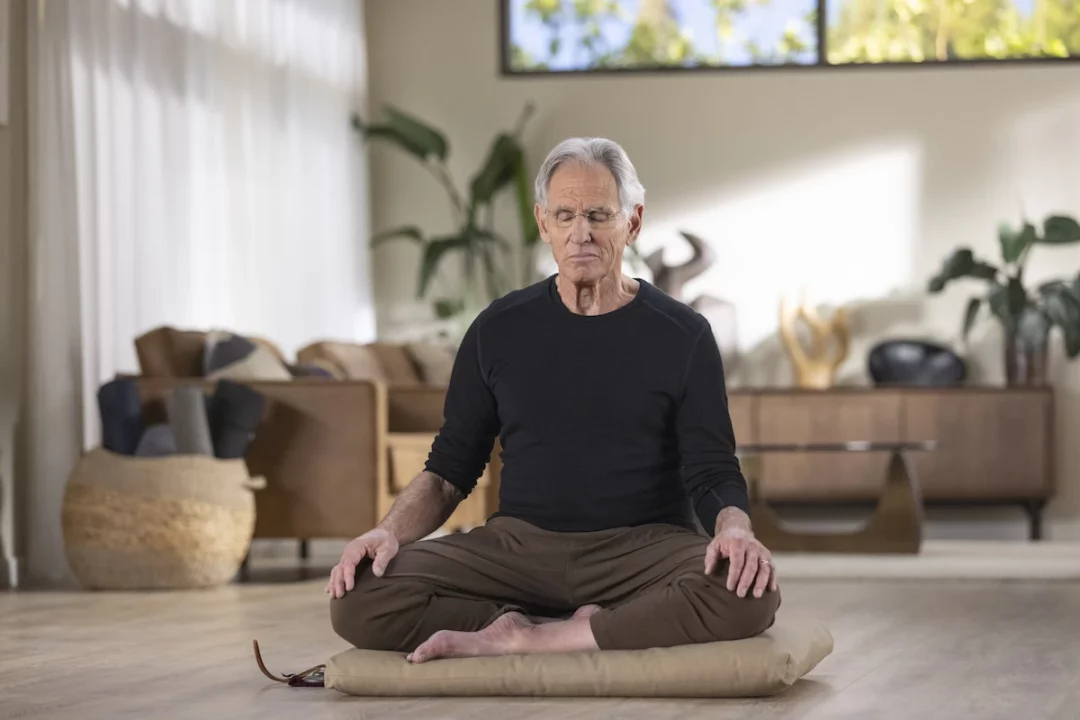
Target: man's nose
580,232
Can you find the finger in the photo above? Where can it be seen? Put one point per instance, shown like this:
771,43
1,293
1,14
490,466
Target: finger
337,586
711,554
348,567
772,578
383,556
750,570
348,572
737,557
764,573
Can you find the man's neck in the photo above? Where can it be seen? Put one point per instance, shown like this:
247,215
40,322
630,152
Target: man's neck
597,298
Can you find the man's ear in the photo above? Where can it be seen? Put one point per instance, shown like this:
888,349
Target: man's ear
541,223
636,216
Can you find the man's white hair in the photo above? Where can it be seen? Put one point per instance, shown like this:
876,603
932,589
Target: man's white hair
588,151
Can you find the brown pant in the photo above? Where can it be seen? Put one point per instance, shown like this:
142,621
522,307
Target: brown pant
649,580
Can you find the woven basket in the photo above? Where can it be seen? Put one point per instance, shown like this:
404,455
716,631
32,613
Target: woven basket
183,521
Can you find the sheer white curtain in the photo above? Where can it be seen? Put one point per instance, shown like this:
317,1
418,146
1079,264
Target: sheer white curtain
192,164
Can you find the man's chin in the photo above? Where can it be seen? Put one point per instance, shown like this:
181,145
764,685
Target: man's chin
583,271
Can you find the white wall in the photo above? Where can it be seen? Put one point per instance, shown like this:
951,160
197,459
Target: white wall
12,265
860,180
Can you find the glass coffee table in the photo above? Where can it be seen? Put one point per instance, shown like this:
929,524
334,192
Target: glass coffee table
894,527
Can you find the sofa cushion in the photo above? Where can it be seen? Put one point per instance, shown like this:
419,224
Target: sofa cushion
169,352
434,362
384,362
396,363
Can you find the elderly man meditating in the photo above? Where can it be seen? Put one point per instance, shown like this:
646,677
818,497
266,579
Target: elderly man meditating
608,397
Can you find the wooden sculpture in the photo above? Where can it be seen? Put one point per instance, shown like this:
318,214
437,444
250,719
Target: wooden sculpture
671,278
720,313
815,367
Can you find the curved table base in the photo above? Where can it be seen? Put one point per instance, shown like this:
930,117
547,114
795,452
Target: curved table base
895,526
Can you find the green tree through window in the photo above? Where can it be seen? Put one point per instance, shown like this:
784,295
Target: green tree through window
577,35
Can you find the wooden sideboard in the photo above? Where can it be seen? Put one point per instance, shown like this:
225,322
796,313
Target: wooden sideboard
994,445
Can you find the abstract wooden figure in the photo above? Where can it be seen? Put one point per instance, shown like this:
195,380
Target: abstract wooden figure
815,366
720,313
671,278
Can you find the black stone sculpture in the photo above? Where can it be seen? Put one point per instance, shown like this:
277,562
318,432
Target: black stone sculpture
915,362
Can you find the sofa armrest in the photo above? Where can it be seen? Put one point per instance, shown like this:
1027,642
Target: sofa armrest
321,447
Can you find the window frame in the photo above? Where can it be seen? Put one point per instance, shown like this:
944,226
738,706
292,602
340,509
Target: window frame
820,64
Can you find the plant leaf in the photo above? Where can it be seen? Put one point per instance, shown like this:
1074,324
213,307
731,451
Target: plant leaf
408,231
523,188
1063,310
970,314
391,135
434,251
490,275
408,133
1013,243
492,236
419,133
499,168
1008,301
962,263
446,308
1060,230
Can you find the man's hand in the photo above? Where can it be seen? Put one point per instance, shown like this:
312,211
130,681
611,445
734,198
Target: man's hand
750,561
378,544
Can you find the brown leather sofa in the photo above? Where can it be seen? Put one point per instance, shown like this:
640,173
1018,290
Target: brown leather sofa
324,443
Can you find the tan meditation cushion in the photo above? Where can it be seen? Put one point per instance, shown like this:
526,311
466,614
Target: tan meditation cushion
763,665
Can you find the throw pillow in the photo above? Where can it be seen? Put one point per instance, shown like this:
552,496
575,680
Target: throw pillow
121,416
189,422
235,411
224,349
157,441
259,364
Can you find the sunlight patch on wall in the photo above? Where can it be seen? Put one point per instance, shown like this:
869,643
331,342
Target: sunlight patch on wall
844,228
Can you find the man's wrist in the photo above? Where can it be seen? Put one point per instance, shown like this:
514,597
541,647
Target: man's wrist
732,518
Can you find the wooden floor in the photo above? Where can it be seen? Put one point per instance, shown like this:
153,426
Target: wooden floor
905,649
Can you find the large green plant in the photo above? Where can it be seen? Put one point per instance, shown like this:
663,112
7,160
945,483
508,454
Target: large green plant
485,251
1027,315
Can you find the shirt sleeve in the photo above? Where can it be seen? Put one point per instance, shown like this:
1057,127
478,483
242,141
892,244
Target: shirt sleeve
711,471
463,445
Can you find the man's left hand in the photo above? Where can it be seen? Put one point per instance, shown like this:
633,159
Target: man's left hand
750,562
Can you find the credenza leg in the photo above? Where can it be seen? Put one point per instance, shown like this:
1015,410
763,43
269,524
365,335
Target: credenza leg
1034,510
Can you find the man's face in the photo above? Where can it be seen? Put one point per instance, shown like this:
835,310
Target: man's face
583,225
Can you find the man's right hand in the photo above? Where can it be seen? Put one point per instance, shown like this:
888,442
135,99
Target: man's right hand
378,544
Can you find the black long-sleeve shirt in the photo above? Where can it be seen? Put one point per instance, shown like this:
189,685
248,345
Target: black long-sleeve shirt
605,421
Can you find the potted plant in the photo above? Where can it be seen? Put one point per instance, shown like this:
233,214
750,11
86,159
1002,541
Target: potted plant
1027,315
473,235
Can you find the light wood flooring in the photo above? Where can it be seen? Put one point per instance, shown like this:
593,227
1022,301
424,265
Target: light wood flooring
904,649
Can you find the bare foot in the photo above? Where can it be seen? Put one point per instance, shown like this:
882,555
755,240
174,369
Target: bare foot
498,638
512,634
586,611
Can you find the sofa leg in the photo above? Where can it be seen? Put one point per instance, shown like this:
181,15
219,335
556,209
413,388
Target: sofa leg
1034,510
305,551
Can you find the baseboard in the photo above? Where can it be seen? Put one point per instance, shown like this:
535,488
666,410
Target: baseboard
10,577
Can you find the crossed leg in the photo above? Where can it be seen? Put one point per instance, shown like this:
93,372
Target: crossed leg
480,595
